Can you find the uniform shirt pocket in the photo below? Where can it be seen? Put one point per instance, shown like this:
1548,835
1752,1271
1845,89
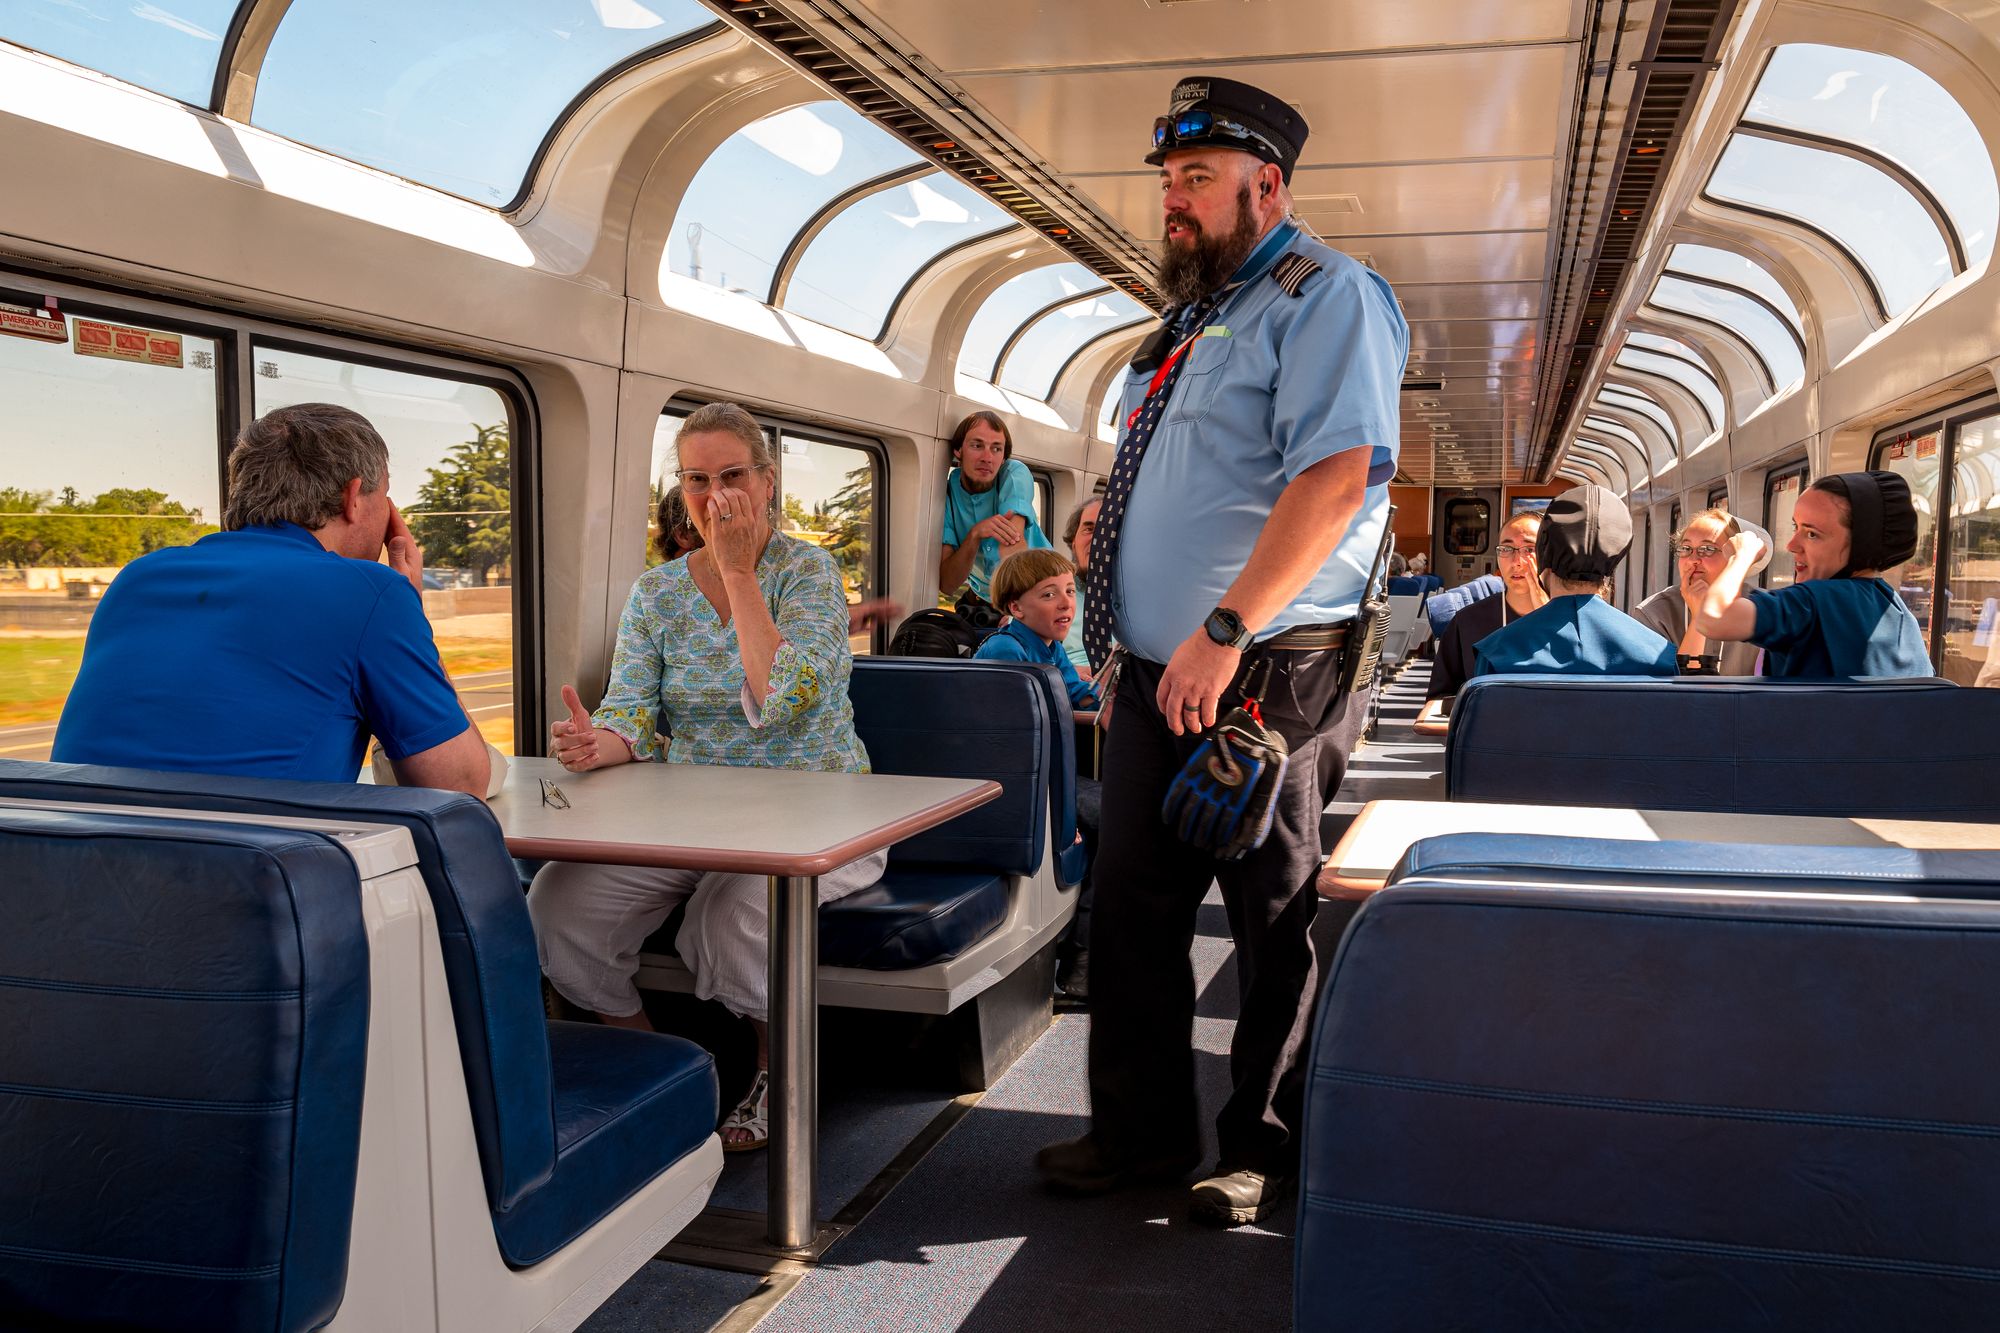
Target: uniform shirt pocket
1194,394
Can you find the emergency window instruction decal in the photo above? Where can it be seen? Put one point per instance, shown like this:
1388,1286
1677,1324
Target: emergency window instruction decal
125,342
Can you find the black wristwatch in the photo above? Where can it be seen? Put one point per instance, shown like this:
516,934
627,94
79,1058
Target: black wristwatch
1227,629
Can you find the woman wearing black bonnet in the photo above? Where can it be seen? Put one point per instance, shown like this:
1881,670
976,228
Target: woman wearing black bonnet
1839,618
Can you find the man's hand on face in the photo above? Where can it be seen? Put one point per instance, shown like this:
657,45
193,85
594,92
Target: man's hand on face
405,556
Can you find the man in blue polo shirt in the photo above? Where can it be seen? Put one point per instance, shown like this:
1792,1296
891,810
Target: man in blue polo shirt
1246,503
277,647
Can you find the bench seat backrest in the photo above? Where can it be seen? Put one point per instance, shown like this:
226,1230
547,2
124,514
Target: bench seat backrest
486,939
182,1057
1912,749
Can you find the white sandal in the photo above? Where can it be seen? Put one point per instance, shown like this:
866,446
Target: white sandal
752,1114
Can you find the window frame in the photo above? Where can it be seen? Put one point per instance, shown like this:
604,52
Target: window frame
876,448
1716,493
237,335
1800,467
1948,421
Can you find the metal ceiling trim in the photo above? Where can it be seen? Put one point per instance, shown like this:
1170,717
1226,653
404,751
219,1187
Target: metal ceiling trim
1682,45
925,114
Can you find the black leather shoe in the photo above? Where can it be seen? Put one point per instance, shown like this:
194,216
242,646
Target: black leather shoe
1073,977
1081,1167
1238,1198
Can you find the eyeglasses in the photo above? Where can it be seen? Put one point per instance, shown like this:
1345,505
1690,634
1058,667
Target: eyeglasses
697,483
1514,552
552,795
1705,551
1200,125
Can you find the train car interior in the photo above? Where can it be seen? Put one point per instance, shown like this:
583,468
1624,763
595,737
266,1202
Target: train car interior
1641,1003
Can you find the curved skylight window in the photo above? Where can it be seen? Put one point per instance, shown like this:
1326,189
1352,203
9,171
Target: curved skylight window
1046,346
1861,207
1012,304
1632,400
1762,330
1894,109
767,181
1695,380
430,91
1107,410
170,47
853,271
1607,460
1605,426
1724,266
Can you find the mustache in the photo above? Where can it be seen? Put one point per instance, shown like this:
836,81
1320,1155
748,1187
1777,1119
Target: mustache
1183,220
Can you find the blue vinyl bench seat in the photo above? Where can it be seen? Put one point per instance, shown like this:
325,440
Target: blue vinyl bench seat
627,1106
915,915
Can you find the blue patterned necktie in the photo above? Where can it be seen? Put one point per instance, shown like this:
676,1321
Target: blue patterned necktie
1124,471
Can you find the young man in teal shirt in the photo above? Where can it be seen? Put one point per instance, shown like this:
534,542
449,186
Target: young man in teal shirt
989,507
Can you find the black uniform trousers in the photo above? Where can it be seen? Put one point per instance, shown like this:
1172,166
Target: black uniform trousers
1149,888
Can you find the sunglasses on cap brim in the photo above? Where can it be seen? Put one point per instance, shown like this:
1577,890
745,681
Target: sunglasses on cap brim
1202,126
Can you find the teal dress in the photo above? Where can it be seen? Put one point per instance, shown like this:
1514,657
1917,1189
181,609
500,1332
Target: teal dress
677,672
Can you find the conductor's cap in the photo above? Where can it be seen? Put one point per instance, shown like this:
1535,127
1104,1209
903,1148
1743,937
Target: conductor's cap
1222,113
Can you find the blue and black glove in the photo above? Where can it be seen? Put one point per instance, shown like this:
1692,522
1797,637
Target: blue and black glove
1223,802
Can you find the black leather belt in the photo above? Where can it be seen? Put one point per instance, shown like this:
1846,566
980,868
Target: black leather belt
1300,638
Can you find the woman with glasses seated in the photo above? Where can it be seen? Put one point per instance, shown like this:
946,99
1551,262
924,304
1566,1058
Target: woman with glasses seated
1700,551
1838,617
739,655
1521,592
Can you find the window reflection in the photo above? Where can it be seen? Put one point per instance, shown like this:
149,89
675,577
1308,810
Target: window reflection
1915,459
171,49
101,461
1972,625
1782,489
451,473
439,92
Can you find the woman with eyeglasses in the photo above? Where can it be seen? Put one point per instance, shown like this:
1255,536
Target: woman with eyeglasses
1522,593
1839,617
739,655
1700,551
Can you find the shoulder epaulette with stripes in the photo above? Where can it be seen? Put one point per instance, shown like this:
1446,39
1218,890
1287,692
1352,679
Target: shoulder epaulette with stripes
1292,271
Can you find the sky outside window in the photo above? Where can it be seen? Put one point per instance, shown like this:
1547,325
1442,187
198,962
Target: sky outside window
1742,316
1705,261
1862,208
1039,356
855,268
170,47
1012,302
428,90
1881,103
764,183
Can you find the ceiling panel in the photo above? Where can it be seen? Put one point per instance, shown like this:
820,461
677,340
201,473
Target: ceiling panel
1493,257
1044,34
1434,106
1457,300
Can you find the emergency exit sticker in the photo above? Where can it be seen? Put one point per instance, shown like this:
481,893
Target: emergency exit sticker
27,322
124,342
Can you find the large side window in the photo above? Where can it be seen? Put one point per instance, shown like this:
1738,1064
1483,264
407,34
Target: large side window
1782,488
831,493
1045,503
1718,497
451,470
110,447
1972,573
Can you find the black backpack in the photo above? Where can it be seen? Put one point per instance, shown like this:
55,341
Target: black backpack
936,632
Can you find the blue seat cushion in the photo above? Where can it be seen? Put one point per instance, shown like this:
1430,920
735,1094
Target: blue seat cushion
911,917
914,915
628,1105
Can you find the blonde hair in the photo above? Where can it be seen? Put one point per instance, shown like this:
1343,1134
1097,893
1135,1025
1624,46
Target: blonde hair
1725,522
1022,571
729,419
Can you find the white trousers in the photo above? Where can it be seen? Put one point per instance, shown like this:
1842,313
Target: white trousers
591,921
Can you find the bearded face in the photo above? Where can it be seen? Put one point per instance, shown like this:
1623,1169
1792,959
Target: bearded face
1191,270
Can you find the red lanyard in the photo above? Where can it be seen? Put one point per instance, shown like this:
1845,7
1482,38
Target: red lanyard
1160,375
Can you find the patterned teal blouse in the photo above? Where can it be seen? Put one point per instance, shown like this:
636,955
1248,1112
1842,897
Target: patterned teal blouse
677,671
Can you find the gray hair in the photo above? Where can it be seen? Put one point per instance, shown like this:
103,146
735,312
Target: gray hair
729,419
292,464
1397,565
1076,520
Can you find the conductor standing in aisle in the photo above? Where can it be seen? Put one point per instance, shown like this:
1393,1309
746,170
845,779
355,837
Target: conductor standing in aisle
1245,508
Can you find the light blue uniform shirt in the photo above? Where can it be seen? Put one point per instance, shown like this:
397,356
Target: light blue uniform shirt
1012,492
1275,384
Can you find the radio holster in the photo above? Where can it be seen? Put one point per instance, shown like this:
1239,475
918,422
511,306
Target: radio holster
1363,654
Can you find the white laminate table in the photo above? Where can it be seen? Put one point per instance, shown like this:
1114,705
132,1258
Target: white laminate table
790,825
1384,830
